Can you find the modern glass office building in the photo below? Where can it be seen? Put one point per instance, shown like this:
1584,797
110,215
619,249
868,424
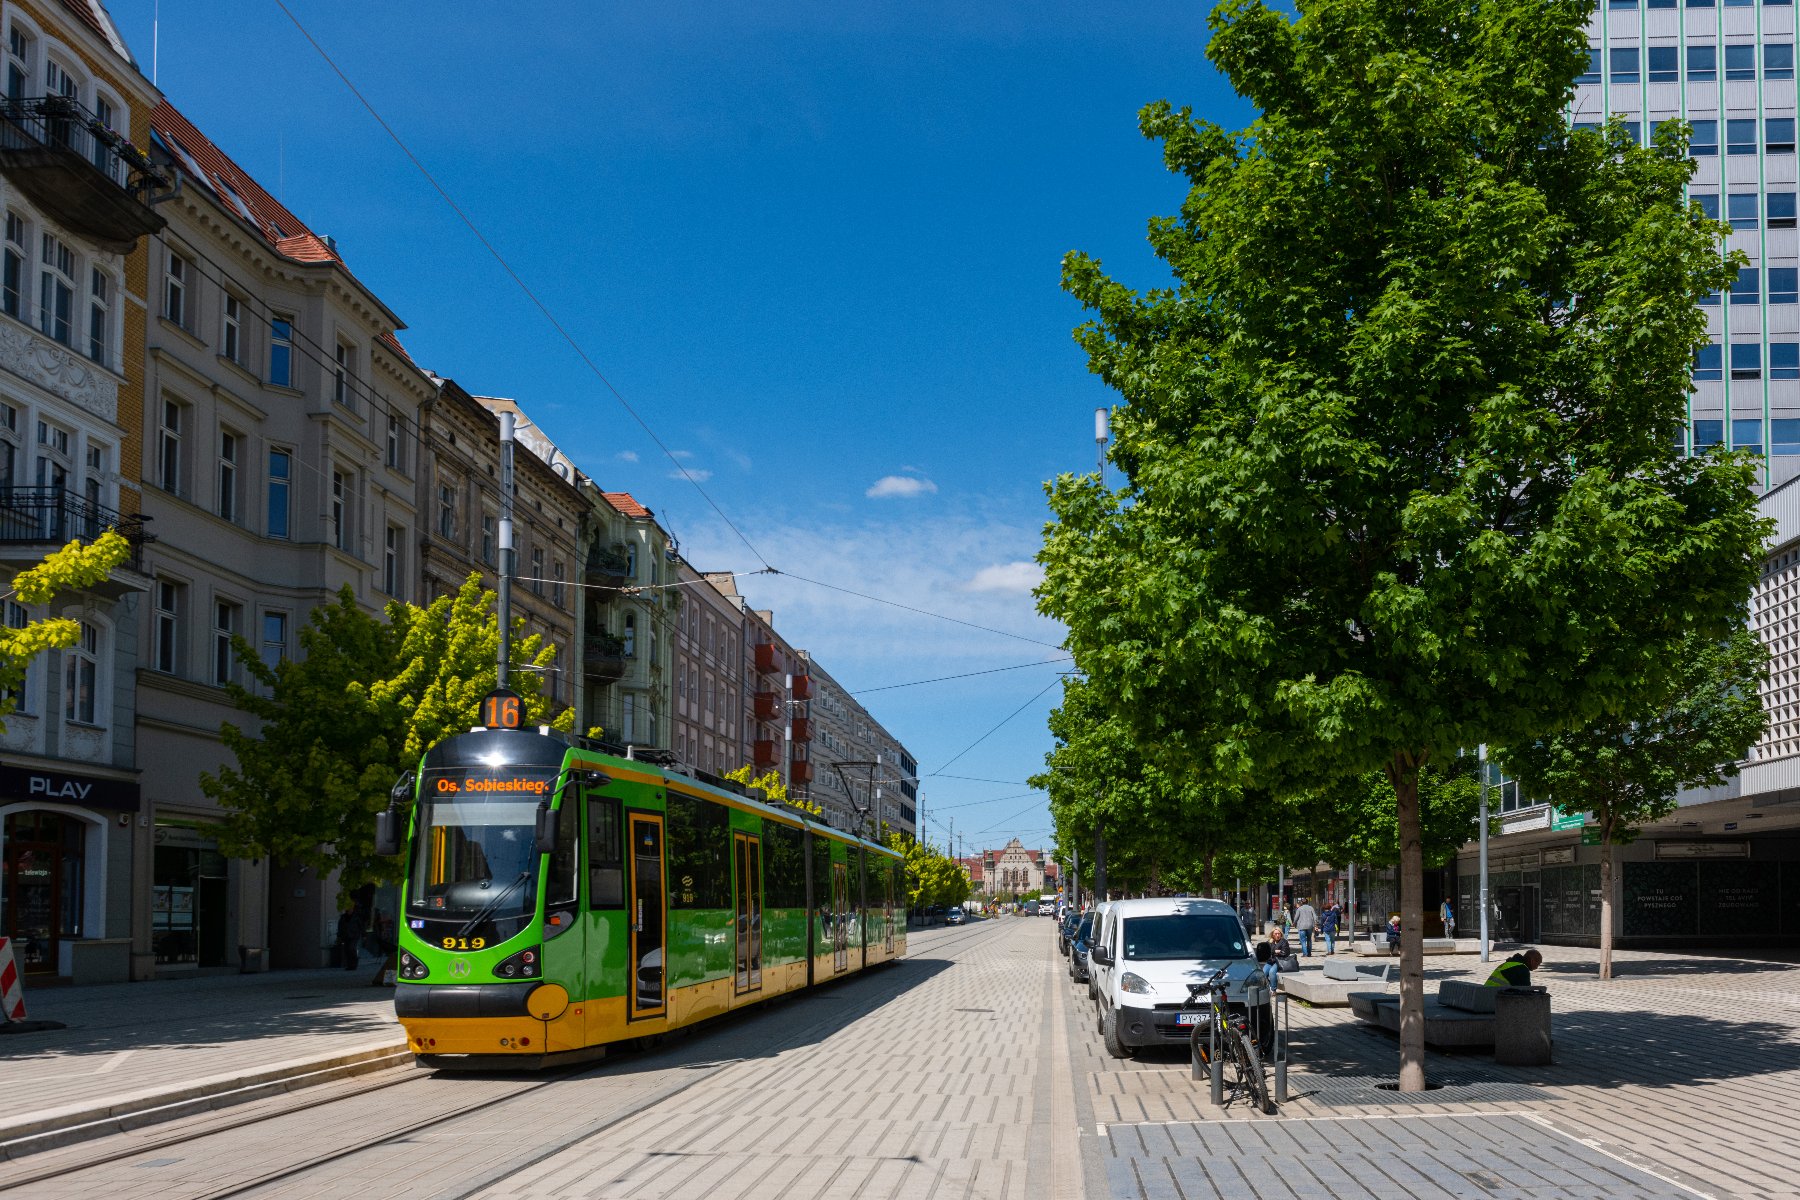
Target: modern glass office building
1726,66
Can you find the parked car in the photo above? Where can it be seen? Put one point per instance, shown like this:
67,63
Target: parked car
954,917
1065,929
1146,955
1094,934
1078,947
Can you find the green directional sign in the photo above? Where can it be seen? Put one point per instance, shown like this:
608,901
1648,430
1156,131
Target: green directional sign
1560,820
1590,836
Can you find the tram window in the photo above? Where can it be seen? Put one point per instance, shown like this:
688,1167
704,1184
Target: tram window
560,885
821,873
784,866
699,853
606,853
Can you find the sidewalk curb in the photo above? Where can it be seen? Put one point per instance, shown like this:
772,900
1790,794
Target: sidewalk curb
79,1123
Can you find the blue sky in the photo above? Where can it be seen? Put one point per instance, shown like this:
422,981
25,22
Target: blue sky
814,245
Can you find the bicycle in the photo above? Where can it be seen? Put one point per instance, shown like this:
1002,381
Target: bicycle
1240,1060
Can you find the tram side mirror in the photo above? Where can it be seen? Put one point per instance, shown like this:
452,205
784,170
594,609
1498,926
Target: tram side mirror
594,779
401,794
387,832
546,829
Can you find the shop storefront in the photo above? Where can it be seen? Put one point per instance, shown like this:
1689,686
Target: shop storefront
190,897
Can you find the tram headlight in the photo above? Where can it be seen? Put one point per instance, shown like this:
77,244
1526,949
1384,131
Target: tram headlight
412,968
526,964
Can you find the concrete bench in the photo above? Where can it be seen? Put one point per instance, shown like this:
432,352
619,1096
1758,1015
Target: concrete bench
1514,1021
1380,947
1331,988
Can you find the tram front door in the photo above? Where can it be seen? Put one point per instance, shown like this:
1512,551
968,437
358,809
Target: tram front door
649,971
747,855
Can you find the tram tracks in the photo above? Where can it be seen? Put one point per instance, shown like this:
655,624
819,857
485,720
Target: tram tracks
689,1070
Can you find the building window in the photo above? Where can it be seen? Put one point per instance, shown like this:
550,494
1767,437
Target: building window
1709,363
1747,287
19,58
340,502
1778,60
395,446
280,468
94,486
1705,142
1784,437
630,638
345,374
56,291
1708,434
1784,360
175,305
1746,434
281,351
99,310
168,448
556,586
231,333
1624,62
274,637
1746,360
1741,208
487,538
392,566
165,643
1664,65
1778,135
81,677
1708,203
1740,136
447,510
12,273
1781,210
1784,284
537,570
228,473
228,619
1592,74
21,697
1740,62
1702,62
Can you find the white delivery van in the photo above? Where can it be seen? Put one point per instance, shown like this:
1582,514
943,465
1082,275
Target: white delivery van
1144,956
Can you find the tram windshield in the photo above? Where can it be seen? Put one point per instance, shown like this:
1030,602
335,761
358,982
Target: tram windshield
475,865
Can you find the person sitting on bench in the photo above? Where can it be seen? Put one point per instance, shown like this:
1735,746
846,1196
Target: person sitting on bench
1516,971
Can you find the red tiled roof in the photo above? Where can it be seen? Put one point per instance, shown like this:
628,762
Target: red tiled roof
393,343
85,12
238,190
624,502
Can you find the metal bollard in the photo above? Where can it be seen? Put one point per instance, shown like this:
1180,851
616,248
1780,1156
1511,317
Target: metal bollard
1281,1043
1216,1069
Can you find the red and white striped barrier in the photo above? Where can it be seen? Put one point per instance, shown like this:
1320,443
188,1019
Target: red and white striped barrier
12,987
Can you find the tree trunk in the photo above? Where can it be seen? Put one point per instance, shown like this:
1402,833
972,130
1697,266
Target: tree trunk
1100,895
1606,892
1404,772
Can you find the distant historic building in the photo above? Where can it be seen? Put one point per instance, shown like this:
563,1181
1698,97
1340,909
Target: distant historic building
1013,870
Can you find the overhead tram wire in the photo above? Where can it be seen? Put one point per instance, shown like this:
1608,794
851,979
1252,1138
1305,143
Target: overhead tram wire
888,687
996,729
909,608
524,287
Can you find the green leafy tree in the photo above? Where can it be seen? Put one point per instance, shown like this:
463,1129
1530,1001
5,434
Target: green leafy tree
1399,444
770,785
1625,770
337,725
75,566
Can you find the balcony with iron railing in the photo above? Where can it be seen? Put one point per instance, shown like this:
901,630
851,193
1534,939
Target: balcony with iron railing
37,520
67,160
608,570
603,657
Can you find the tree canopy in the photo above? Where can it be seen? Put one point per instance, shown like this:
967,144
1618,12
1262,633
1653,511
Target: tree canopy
1400,443
337,725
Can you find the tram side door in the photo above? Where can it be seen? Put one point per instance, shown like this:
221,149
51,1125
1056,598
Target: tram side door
747,854
648,896
840,916
887,907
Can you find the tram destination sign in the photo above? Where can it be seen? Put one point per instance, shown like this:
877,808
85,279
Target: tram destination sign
66,787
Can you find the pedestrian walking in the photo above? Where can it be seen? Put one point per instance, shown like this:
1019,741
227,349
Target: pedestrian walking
1328,925
1449,915
1306,919
349,933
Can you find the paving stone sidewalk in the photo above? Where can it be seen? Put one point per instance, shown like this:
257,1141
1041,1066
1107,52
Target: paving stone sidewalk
131,1047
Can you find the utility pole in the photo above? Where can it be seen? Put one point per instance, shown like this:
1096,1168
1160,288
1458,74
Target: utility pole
504,607
1481,770
1100,431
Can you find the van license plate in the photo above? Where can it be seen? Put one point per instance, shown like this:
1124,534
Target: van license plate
1187,1018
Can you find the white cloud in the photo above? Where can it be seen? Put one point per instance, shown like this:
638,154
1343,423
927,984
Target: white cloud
905,486
1019,577
681,454
626,456
697,474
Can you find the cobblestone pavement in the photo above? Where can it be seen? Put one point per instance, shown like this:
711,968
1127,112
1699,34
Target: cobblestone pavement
1678,1066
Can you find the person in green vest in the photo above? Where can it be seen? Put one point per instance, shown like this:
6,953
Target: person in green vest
1516,971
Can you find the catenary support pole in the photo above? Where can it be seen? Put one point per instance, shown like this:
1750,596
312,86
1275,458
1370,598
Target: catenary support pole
503,610
1482,771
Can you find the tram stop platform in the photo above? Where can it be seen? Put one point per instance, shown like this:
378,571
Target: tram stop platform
132,1054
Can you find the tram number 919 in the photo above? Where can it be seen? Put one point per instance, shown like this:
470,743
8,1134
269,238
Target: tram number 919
462,943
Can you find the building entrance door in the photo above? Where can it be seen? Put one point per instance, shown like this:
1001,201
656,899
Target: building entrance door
41,893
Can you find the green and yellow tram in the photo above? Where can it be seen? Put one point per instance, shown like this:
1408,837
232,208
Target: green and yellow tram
559,898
